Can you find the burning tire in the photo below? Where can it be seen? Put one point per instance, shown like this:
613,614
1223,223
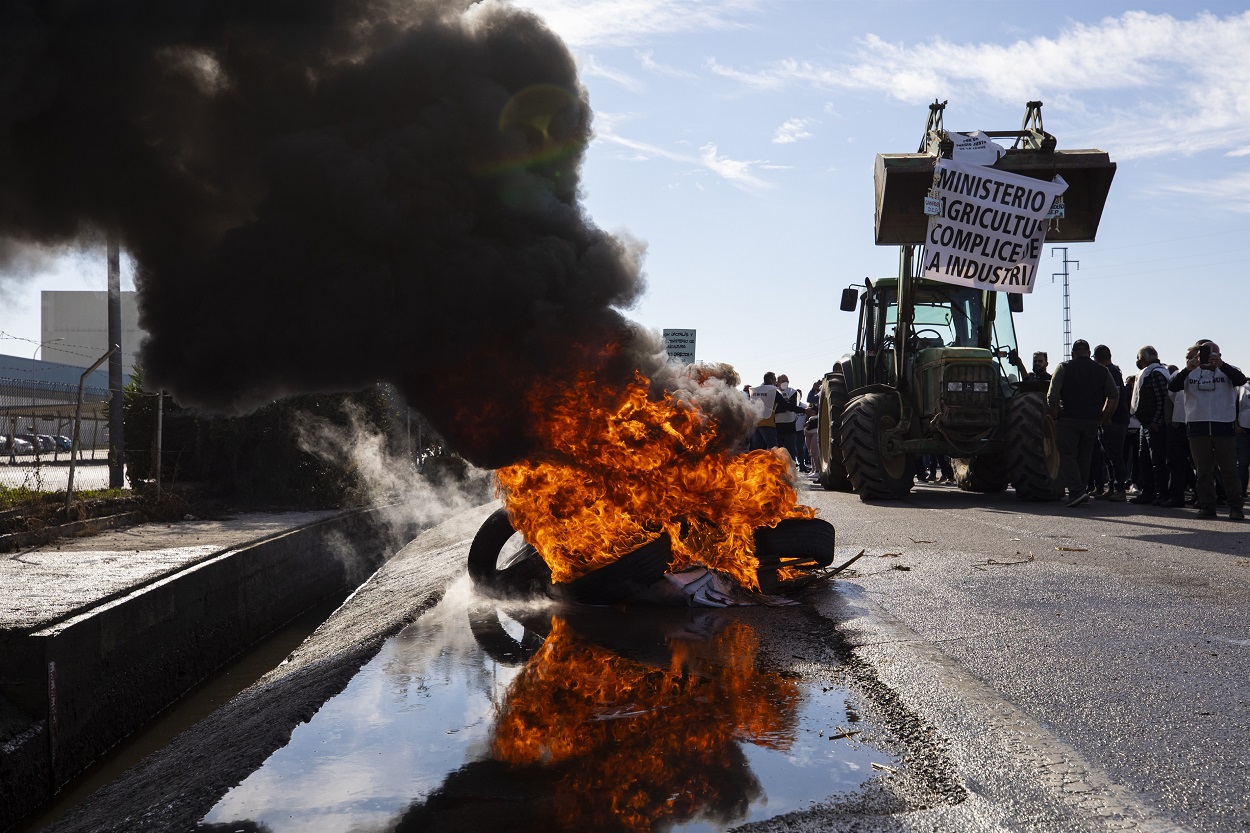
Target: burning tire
525,574
872,472
1032,448
799,543
627,576
833,397
522,575
984,473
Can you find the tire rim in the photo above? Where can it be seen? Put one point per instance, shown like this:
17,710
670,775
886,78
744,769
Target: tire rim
1050,447
895,465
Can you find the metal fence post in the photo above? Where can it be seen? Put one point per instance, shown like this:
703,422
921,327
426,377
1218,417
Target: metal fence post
82,381
160,420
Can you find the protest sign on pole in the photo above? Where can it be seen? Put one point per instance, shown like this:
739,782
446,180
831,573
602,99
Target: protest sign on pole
680,345
988,228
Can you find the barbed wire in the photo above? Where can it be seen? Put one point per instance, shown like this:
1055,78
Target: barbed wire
60,346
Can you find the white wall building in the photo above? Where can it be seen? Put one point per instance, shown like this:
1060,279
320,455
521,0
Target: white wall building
75,326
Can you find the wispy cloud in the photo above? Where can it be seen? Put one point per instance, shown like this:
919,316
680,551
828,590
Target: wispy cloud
583,23
736,172
589,66
1229,191
651,65
1188,80
791,131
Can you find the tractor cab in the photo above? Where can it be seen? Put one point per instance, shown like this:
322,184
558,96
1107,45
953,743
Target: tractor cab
956,334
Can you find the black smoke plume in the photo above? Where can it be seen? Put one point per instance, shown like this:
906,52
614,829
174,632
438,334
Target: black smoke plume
322,194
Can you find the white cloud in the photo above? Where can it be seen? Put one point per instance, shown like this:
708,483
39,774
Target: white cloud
734,171
584,23
651,65
792,130
1187,81
591,67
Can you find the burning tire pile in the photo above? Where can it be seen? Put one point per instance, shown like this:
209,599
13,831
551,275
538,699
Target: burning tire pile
791,554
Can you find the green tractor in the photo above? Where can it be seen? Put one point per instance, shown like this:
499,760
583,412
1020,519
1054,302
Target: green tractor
931,372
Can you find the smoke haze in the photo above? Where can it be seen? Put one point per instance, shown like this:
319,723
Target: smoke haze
322,194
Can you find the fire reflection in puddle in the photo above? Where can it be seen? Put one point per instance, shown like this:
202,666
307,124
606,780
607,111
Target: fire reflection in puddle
545,718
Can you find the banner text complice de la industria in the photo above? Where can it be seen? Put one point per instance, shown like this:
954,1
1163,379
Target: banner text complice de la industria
991,227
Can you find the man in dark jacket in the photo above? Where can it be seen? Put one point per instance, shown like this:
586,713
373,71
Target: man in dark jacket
1112,434
1082,396
1210,387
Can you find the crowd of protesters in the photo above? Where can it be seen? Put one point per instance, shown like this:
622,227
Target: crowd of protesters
1168,436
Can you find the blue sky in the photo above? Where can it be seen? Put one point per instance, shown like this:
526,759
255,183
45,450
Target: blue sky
736,139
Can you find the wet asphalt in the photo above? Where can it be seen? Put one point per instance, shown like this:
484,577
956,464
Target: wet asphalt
1105,648
1031,667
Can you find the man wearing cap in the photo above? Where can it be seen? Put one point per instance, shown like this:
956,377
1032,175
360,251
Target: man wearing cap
1082,397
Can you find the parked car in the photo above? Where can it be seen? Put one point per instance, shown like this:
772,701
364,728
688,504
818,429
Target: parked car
15,445
64,443
42,441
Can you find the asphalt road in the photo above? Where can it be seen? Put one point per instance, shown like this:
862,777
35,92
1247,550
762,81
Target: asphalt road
1083,664
1034,668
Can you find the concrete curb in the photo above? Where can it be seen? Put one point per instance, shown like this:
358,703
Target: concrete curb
93,675
174,788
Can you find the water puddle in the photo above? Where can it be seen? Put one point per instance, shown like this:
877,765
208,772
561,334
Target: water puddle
481,717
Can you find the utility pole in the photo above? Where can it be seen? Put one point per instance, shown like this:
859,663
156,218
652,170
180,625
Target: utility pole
117,441
1067,308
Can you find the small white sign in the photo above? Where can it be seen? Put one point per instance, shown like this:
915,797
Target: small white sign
976,148
679,344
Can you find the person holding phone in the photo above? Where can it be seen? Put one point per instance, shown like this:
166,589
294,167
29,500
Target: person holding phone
1210,385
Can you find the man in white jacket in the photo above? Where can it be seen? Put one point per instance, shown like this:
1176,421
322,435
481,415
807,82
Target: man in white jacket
1210,387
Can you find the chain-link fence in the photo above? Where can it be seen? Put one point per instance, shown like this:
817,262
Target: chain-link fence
37,436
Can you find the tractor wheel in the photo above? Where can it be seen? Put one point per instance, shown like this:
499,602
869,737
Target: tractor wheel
872,473
983,473
1032,448
833,398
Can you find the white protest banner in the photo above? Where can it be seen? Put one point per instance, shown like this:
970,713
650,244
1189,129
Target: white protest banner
680,345
976,148
990,229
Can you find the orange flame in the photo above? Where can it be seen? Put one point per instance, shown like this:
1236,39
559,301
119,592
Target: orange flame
624,468
641,743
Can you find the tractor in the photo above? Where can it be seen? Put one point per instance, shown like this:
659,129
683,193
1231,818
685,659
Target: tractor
933,367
